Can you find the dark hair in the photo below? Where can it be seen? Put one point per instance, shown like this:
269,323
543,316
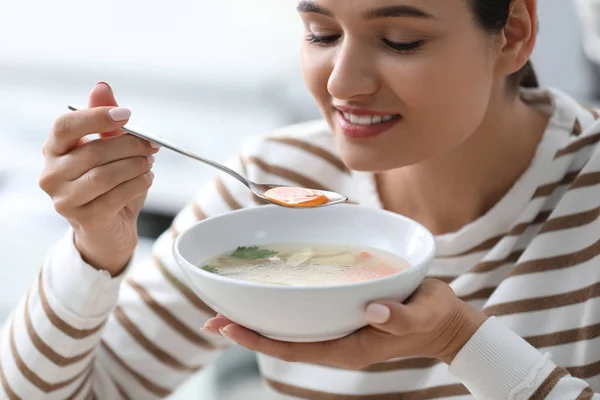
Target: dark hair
493,16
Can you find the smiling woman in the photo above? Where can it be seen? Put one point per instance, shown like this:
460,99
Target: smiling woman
430,110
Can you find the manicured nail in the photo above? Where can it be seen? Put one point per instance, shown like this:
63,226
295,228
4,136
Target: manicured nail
377,314
155,145
119,114
104,83
151,159
151,175
208,332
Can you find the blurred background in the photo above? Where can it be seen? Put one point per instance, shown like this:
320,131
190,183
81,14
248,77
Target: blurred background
206,74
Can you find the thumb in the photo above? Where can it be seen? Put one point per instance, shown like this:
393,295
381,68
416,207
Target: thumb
391,317
102,95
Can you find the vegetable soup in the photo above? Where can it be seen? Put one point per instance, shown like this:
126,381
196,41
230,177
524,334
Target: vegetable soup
306,264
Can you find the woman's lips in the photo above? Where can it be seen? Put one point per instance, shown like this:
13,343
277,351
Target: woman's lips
362,124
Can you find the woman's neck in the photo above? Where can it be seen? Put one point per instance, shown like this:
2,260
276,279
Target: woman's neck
446,193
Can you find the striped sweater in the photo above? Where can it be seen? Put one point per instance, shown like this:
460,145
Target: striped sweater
532,262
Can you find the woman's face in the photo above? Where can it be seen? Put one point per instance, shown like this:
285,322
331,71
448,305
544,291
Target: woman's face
399,81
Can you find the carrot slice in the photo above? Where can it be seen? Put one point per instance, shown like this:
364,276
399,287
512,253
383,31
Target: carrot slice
295,196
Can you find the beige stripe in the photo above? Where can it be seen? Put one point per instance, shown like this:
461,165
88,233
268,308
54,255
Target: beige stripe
585,371
519,229
548,189
571,221
430,393
122,392
32,376
183,288
578,145
168,318
594,113
200,215
481,294
445,279
257,199
545,303
577,129
147,344
487,245
287,174
57,321
586,394
408,363
557,262
564,337
46,350
173,231
315,150
6,386
539,99
84,381
243,165
549,383
540,341
487,266
146,383
585,180
226,195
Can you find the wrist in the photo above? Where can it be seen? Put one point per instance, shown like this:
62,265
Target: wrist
465,322
103,258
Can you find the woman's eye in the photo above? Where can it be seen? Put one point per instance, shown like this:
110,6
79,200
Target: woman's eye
403,47
316,39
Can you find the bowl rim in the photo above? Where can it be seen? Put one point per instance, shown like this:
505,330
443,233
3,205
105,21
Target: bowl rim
179,259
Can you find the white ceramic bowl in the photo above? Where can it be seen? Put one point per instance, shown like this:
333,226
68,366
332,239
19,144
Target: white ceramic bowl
303,314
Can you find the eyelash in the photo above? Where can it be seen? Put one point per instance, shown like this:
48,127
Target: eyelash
396,47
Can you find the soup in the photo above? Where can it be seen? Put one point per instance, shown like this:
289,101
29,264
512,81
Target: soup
306,264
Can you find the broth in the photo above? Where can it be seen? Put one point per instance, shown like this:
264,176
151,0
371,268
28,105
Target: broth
306,264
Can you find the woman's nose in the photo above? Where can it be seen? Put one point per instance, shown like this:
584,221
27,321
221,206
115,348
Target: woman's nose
353,74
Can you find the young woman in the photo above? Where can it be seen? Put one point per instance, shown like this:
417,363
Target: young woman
430,110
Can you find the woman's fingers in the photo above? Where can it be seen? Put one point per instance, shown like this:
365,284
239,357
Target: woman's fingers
96,153
112,202
70,128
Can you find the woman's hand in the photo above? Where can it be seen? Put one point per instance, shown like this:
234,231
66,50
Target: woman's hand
432,323
99,186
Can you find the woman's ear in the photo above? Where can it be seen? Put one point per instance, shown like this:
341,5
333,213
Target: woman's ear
518,36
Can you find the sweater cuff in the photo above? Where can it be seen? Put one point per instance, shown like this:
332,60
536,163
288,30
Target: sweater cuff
498,364
80,288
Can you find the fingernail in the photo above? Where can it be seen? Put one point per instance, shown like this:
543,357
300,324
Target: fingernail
377,313
208,332
155,145
119,114
151,175
151,159
104,83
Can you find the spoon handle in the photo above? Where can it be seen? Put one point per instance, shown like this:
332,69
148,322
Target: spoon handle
171,146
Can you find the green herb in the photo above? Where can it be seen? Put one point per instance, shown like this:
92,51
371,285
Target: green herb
210,269
252,253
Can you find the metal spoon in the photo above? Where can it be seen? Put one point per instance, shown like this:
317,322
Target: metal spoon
258,189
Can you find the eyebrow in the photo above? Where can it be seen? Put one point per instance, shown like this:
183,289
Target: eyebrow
310,7
399,11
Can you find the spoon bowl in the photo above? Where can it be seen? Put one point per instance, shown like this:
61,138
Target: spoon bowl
259,189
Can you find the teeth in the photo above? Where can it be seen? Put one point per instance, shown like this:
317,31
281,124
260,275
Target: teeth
367,119
364,120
